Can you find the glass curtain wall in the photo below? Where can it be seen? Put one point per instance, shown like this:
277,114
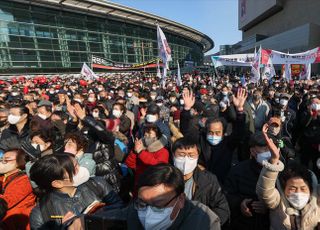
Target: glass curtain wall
44,38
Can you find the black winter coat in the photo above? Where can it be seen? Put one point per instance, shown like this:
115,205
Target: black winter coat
61,203
207,190
11,139
239,185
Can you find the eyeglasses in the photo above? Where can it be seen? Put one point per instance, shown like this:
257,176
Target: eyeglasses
140,205
5,161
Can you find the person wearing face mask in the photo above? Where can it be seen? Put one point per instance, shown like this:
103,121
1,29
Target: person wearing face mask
162,204
150,150
18,130
200,184
67,191
309,140
76,144
217,149
164,110
16,190
247,211
44,113
119,112
91,101
152,116
287,116
292,196
283,142
259,109
4,124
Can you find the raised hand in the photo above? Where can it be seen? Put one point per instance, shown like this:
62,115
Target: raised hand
188,98
71,111
240,99
275,151
80,112
138,145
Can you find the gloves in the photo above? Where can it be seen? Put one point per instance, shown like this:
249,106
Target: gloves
30,150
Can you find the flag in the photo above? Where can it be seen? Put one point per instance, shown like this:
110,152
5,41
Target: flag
243,81
179,81
164,50
87,72
158,69
287,72
305,73
255,67
268,70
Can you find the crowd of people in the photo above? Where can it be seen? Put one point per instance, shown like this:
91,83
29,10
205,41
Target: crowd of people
131,152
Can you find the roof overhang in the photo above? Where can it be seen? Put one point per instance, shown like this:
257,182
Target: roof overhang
116,11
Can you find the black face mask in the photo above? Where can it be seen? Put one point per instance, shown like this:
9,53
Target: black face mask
3,123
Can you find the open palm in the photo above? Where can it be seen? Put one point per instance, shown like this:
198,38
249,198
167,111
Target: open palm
240,99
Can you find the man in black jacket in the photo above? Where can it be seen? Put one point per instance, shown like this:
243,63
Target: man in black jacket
18,131
217,149
247,212
200,184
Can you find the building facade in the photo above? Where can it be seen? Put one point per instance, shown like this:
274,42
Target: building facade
285,25
52,36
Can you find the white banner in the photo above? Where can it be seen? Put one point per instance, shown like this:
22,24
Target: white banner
308,57
87,72
233,60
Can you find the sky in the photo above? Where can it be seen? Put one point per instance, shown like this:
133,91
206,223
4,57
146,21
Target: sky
216,18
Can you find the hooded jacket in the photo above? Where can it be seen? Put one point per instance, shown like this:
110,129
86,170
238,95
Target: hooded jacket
154,154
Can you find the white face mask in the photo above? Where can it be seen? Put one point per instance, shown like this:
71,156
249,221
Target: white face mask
95,114
42,116
185,164
159,104
116,113
149,140
151,118
153,97
283,102
5,168
41,147
91,99
81,177
172,100
13,119
265,156
14,94
182,102
315,107
129,94
298,200
152,220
